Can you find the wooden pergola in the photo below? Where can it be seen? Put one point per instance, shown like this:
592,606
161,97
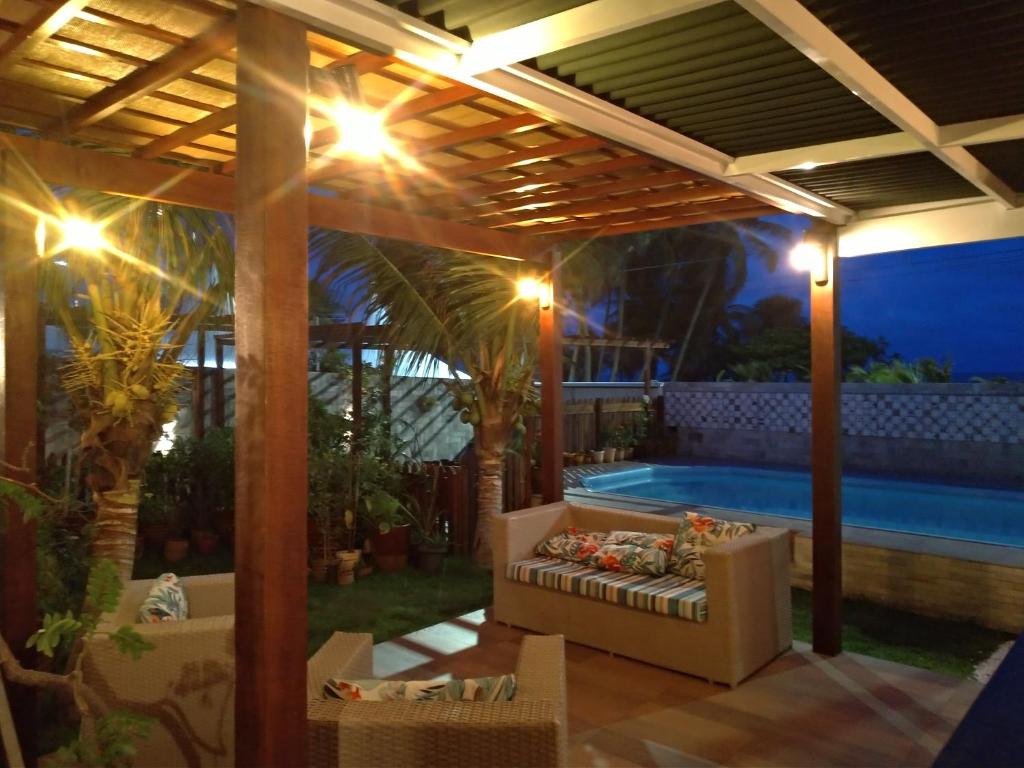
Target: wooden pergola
206,103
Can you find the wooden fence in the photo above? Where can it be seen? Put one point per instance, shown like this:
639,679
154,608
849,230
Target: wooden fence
589,424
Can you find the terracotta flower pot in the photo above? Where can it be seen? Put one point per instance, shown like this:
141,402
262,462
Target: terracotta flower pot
597,457
391,549
175,549
629,452
609,455
321,567
156,534
204,541
620,454
347,560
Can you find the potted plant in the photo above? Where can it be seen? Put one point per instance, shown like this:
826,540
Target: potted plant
607,442
348,558
389,530
425,516
621,440
597,456
213,463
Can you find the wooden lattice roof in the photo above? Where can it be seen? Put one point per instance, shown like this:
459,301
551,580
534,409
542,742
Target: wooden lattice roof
156,80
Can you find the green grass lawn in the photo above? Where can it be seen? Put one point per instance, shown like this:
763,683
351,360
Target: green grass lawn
390,605
941,645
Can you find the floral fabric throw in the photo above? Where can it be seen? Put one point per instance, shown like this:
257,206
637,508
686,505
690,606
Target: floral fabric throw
166,601
618,551
696,533
573,544
651,561
500,688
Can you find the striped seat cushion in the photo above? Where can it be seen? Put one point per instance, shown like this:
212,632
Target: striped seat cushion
670,595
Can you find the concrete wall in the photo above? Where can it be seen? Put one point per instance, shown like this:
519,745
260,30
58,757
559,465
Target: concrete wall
960,431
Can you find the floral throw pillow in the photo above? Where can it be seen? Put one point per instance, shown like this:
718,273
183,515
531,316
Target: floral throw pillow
662,541
166,601
500,688
651,561
696,533
574,544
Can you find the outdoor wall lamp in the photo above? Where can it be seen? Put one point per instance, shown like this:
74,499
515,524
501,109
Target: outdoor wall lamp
533,289
809,256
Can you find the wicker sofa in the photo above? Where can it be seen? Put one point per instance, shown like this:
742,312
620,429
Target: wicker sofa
530,730
748,618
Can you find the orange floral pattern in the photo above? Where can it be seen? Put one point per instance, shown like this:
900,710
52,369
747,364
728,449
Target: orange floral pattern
696,533
650,561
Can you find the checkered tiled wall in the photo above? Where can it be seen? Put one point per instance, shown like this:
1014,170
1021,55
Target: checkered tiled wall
962,412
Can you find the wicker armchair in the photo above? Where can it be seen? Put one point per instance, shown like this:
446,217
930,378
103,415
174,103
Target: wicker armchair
530,730
186,684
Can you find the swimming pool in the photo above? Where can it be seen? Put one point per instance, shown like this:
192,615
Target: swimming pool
956,512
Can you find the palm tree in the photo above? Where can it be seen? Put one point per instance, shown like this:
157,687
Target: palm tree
458,308
128,292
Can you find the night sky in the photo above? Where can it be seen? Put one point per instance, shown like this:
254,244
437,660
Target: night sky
964,303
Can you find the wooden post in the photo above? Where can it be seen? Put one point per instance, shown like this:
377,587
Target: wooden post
218,384
199,391
387,368
357,389
647,369
19,392
271,317
551,389
826,456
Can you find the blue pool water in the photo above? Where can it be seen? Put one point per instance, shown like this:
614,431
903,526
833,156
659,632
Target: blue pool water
955,512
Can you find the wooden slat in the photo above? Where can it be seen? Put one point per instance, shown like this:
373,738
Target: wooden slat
512,159
498,128
636,202
61,164
212,123
671,223
826,453
441,199
151,31
723,208
271,390
144,81
42,25
589,192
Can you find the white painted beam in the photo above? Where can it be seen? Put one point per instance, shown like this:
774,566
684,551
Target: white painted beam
803,30
947,223
575,26
886,145
383,29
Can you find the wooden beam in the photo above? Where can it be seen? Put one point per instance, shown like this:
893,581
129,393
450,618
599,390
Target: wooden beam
489,189
213,122
144,81
589,192
271,390
497,128
522,157
357,391
64,165
406,110
638,203
551,429
42,25
826,453
19,392
199,393
667,212
676,222
218,384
